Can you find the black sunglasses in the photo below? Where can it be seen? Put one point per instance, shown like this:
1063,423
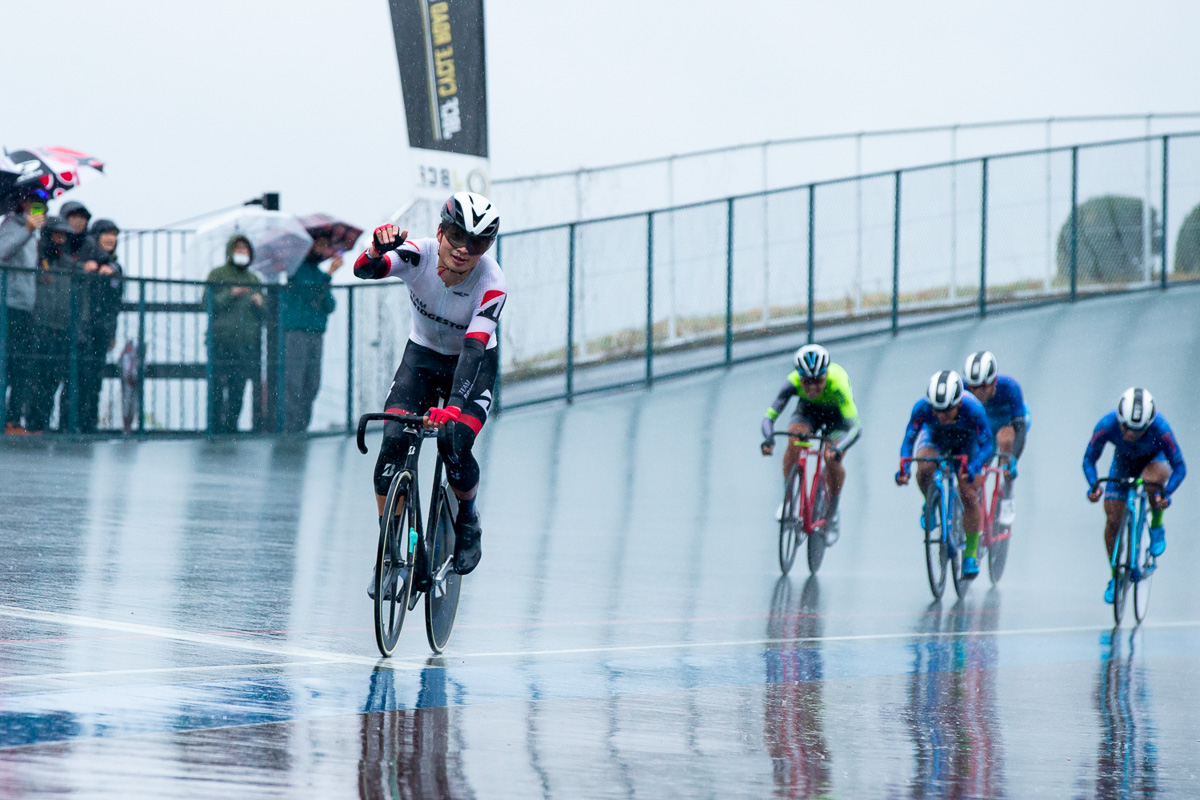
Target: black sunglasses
457,237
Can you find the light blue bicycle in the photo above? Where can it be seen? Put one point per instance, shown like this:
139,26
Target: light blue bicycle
1129,566
943,534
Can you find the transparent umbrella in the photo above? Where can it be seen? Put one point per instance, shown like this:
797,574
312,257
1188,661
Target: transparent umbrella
280,242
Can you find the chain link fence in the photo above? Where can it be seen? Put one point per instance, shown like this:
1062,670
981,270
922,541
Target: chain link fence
628,300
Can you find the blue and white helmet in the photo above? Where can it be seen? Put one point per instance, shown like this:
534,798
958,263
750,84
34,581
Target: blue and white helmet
980,368
812,361
1135,409
945,390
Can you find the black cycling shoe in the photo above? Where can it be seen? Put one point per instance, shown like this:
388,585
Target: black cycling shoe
467,550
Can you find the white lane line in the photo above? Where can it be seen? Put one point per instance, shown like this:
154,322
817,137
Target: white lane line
54,676
864,637
196,638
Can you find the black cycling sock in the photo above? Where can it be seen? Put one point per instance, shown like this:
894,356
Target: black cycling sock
466,508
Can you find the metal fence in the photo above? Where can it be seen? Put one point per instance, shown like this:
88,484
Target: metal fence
627,300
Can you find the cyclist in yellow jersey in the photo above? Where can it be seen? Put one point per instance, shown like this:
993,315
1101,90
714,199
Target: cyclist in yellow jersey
824,403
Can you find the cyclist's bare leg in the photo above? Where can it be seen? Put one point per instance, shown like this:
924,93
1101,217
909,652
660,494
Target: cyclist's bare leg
1113,511
925,468
972,516
1157,472
1004,443
835,474
793,452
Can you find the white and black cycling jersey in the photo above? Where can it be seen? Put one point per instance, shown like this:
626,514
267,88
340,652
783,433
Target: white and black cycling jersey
444,316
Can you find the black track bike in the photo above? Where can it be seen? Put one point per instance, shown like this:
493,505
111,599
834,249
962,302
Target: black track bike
414,559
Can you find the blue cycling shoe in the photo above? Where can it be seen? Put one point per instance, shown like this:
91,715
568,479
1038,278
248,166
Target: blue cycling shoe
1108,593
970,567
1158,542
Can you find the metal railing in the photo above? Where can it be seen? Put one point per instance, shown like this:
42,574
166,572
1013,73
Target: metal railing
636,186
632,299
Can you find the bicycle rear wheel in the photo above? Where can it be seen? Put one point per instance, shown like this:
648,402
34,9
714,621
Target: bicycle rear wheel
394,563
816,537
1121,576
998,553
441,601
790,529
937,555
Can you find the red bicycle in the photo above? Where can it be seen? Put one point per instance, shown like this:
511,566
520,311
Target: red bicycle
995,535
805,503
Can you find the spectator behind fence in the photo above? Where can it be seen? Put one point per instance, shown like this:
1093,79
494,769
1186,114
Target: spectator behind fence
52,314
78,217
307,304
235,332
19,249
100,305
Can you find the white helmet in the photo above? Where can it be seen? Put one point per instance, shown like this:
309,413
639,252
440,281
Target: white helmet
812,361
945,390
980,368
474,213
1135,409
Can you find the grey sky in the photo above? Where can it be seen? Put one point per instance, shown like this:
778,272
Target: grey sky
195,110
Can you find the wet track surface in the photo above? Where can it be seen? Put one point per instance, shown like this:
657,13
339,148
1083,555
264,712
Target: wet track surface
189,619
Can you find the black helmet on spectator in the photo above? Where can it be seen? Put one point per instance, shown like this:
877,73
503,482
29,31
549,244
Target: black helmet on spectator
104,226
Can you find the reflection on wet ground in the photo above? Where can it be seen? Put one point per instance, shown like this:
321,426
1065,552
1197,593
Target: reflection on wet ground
187,619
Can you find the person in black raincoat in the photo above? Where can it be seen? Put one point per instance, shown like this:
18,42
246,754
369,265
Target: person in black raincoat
100,305
52,313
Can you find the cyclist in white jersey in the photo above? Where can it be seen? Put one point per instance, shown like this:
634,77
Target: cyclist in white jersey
457,293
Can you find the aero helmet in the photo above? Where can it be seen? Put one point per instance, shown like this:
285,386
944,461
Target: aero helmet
1135,409
945,390
980,368
474,213
812,361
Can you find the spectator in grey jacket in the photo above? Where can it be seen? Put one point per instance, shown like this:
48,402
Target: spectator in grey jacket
53,313
19,251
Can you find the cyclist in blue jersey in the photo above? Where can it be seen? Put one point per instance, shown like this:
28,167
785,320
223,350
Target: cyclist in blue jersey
948,422
1007,415
1143,446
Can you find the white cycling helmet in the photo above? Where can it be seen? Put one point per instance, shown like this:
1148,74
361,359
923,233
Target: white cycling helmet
980,368
472,212
812,361
1135,409
945,390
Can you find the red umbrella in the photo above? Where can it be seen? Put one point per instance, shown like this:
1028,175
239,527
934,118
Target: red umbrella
342,235
57,169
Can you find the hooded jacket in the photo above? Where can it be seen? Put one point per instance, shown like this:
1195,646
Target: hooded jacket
52,306
236,321
19,248
101,304
307,301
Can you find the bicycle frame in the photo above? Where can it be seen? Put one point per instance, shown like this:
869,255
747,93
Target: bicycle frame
1137,503
990,503
806,446
946,479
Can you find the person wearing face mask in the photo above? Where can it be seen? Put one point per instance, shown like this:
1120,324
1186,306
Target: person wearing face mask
101,305
235,333
53,310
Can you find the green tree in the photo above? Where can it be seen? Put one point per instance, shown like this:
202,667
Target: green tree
1108,241
1187,246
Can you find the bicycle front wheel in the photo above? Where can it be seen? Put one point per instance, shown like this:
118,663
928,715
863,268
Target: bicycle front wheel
937,555
1141,587
957,539
816,537
394,562
1121,575
790,522
441,601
